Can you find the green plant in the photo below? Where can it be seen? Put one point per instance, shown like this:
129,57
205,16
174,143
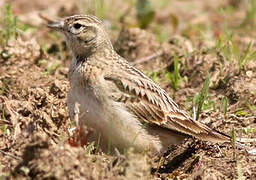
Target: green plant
95,7
89,148
199,99
4,128
145,13
9,25
251,107
109,148
100,8
161,33
233,138
241,112
4,86
250,18
25,170
240,173
230,50
174,77
248,55
233,142
249,130
226,46
153,75
224,105
98,143
52,67
163,3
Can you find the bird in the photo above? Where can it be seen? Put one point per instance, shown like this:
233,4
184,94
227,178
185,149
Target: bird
123,106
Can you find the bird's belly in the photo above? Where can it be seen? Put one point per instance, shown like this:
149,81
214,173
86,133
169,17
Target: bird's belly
89,107
112,124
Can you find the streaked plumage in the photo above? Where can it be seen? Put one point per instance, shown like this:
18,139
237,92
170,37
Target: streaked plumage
122,104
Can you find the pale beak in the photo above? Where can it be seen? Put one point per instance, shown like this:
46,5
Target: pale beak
58,25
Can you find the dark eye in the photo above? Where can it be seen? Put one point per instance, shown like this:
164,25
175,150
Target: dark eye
77,26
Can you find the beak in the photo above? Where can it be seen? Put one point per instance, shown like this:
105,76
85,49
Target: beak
58,25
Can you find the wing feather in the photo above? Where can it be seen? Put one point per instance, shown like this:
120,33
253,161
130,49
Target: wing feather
153,105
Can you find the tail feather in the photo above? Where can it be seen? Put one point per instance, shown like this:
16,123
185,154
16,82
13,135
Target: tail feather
213,136
188,126
197,129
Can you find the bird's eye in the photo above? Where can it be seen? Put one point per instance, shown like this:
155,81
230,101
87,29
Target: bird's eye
77,26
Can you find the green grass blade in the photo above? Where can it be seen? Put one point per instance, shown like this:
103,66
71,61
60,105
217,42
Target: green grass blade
202,96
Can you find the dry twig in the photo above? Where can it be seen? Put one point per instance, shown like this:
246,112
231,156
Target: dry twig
8,154
148,58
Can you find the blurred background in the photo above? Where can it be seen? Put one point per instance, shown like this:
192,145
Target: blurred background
201,52
165,18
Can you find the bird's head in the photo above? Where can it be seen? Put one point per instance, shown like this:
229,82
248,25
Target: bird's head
85,34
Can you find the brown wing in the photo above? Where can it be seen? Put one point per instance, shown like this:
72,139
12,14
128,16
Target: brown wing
151,104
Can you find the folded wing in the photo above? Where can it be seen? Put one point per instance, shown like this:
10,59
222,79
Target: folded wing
151,104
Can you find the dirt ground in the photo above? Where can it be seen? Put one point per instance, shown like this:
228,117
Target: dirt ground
35,140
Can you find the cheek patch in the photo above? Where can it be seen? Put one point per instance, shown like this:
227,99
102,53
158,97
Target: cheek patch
88,35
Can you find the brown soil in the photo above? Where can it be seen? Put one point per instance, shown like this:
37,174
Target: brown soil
34,120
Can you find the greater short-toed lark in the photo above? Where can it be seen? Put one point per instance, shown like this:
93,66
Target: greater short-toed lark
122,105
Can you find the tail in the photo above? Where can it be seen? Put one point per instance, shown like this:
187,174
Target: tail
184,124
241,143
199,130
196,129
208,134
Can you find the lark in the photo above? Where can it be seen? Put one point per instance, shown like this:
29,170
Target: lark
123,106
